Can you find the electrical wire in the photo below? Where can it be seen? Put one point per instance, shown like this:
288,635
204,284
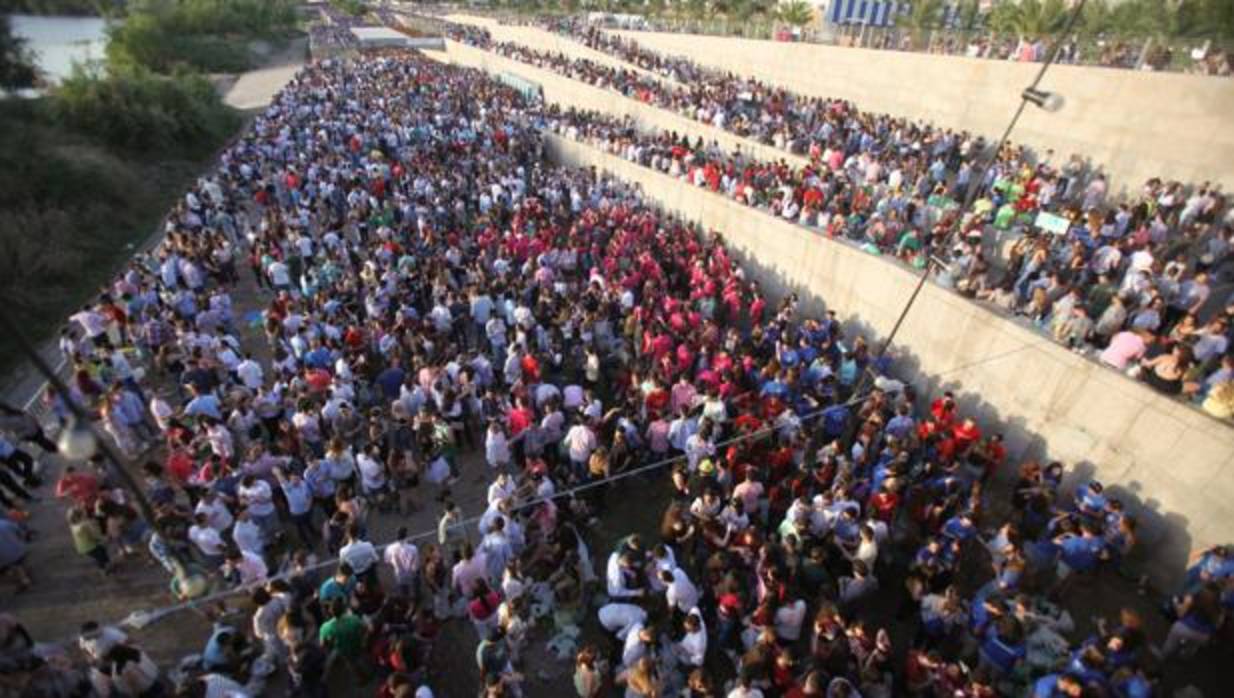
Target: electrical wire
143,618
140,619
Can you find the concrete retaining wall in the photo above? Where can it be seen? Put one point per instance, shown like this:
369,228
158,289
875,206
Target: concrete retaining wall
567,92
1173,465
1135,124
544,40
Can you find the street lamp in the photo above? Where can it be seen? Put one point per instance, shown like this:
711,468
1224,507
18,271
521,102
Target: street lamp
1048,101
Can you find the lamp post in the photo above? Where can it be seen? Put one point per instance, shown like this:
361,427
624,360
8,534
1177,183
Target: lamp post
80,440
1032,94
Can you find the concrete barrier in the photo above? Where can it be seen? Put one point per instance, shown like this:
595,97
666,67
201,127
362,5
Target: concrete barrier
1171,464
567,92
544,40
1135,124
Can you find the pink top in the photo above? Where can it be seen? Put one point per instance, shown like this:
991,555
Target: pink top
1124,348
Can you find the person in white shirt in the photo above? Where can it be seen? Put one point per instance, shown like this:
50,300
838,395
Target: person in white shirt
96,641
257,497
247,534
502,489
359,554
250,373
640,642
620,618
788,620
662,560
245,566
497,549
403,557
270,608
867,548
373,479
620,567
580,442
698,446
496,446
218,516
207,540
691,650
744,687
679,591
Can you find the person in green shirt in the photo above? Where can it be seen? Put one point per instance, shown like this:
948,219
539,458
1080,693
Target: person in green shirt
88,539
344,633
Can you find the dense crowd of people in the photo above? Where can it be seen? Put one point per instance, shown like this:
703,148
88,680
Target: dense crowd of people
429,290
1141,269
1145,53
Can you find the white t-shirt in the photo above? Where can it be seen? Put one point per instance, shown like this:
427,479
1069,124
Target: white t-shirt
258,498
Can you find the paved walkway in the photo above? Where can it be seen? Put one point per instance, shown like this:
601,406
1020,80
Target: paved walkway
255,89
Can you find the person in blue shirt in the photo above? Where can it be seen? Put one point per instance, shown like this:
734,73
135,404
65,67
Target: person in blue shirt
339,586
1214,564
390,380
1088,664
1090,500
1080,553
1002,647
1057,686
203,404
318,357
774,388
960,527
834,420
1130,682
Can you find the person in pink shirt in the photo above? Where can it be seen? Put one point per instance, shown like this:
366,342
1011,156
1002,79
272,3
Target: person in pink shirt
657,436
683,393
1125,348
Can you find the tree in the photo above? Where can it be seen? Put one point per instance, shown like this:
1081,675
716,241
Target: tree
1029,17
797,13
970,15
926,15
16,61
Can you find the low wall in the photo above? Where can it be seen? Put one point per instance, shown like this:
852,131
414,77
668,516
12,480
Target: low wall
1135,124
567,92
1172,465
544,40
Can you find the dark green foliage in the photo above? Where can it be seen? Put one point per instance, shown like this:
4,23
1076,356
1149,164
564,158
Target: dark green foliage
135,109
16,63
72,210
205,35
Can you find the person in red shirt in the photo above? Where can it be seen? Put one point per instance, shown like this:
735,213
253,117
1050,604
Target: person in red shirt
318,379
531,369
81,487
966,433
990,455
944,410
884,503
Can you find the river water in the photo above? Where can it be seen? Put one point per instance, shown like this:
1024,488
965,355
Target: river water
59,42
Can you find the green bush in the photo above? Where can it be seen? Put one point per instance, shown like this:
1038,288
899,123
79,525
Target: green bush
205,35
146,41
73,209
251,18
133,108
